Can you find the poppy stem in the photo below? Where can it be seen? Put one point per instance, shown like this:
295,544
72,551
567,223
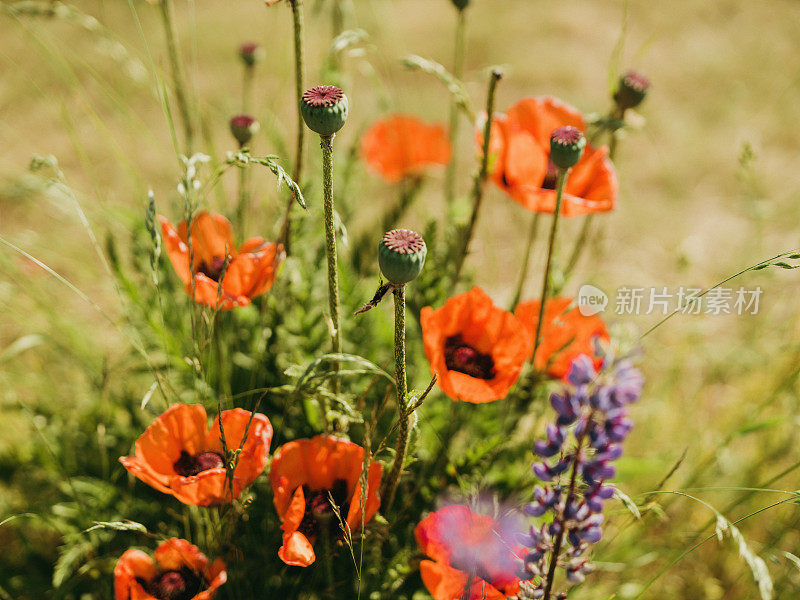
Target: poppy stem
458,69
402,395
178,79
480,177
561,180
244,196
247,88
299,63
523,274
330,247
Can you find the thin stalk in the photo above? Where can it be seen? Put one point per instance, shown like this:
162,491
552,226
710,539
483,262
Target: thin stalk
561,180
402,395
480,178
244,195
523,274
585,233
458,69
178,78
330,243
247,88
299,63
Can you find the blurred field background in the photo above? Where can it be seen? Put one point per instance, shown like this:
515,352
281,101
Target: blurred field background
709,185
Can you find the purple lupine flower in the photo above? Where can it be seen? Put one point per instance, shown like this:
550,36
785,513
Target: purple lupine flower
594,408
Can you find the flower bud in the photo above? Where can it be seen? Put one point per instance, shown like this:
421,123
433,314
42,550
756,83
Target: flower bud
460,4
566,146
251,53
632,90
324,109
401,255
243,128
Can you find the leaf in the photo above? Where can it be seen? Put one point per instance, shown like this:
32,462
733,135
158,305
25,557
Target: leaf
794,559
68,561
627,502
20,345
149,394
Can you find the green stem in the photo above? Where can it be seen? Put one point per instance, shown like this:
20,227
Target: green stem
458,68
330,242
402,396
178,79
561,181
244,196
299,64
523,274
247,88
480,178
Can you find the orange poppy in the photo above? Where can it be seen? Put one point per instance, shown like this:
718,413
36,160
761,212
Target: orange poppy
476,349
177,571
467,548
520,150
250,272
179,455
565,335
403,146
305,475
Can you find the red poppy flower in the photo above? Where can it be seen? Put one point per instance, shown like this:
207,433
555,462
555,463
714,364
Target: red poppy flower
402,145
520,149
565,335
476,349
304,475
251,269
467,547
179,455
179,572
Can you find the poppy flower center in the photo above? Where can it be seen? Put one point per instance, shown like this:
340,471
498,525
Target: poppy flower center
463,358
323,95
173,585
213,270
319,512
188,465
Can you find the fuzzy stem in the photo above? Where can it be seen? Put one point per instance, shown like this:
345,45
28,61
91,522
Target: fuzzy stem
402,395
299,64
178,79
244,196
560,183
247,88
523,274
480,178
330,242
458,68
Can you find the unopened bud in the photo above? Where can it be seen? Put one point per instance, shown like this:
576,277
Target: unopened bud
566,146
324,109
632,90
243,128
401,255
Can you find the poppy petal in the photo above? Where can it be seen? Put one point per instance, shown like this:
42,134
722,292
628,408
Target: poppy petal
177,250
132,565
296,550
255,453
174,554
181,428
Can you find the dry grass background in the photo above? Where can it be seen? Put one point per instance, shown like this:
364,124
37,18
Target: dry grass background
692,210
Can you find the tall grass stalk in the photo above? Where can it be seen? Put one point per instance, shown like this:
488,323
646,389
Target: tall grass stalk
178,75
458,68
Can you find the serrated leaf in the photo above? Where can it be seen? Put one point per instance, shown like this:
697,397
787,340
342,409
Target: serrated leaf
118,526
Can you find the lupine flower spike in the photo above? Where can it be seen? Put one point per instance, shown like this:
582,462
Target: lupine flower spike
577,456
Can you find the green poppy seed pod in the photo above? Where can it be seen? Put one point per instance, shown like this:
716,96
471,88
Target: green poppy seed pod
324,109
566,146
401,255
632,90
251,53
243,128
460,4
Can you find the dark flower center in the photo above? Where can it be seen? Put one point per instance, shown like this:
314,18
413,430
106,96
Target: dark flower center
213,270
319,512
173,585
550,177
463,358
188,465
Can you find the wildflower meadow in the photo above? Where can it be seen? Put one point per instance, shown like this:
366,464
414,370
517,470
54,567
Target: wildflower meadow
399,299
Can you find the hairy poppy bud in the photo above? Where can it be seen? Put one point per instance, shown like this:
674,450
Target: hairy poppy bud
243,128
632,90
324,109
401,255
251,53
461,4
566,146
